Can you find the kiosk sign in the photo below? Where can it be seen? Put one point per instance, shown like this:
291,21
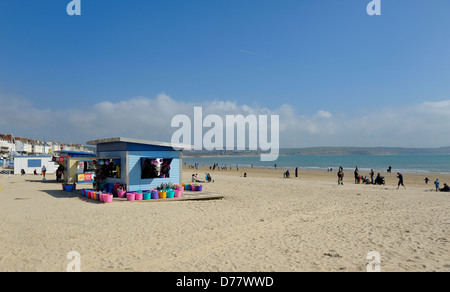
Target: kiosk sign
85,177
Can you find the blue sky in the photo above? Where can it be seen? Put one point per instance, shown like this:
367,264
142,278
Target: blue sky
296,58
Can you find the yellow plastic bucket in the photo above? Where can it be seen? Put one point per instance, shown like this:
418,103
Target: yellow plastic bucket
162,195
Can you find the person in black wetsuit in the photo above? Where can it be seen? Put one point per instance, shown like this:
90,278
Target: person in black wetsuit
379,180
400,180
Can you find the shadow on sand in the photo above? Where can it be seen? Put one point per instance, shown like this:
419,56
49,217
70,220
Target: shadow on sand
60,194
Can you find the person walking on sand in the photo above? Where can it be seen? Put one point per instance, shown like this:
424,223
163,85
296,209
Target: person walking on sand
372,173
340,176
44,170
400,180
296,172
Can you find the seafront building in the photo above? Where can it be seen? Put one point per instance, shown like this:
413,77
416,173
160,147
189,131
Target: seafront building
11,145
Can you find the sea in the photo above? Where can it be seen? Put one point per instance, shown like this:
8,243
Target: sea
432,164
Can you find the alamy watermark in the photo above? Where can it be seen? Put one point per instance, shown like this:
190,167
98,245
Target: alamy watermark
374,7
374,264
74,7
75,263
222,135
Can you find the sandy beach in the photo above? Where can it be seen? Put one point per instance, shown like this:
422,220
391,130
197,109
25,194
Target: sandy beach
264,223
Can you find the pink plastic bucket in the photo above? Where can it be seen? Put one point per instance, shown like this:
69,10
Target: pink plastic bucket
177,193
121,194
107,198
138,196
131,196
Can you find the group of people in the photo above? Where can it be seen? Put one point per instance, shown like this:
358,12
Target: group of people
43,171
195,178
359,179
193,165
222,167
437,184
215,166
287,174
379,180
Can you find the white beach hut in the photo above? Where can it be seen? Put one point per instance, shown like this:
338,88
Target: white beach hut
31,163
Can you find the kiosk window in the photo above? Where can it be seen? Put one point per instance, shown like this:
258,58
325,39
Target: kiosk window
109,167
155,168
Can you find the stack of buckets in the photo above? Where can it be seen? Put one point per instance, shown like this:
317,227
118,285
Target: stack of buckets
97,196
194,188
139,195
152,194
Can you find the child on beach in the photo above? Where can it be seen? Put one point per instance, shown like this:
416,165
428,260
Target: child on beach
436,183
341,176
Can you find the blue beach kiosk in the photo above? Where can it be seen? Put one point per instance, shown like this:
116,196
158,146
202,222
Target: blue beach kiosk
141,165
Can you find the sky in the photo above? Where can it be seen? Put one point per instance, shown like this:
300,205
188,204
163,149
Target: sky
335,75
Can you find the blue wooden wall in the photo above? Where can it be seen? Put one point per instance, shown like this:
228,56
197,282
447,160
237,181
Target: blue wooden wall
135,153
134,182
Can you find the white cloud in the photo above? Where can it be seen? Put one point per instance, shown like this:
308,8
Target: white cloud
324,114
420,125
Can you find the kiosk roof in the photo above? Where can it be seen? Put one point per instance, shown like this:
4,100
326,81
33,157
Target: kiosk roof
176,146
